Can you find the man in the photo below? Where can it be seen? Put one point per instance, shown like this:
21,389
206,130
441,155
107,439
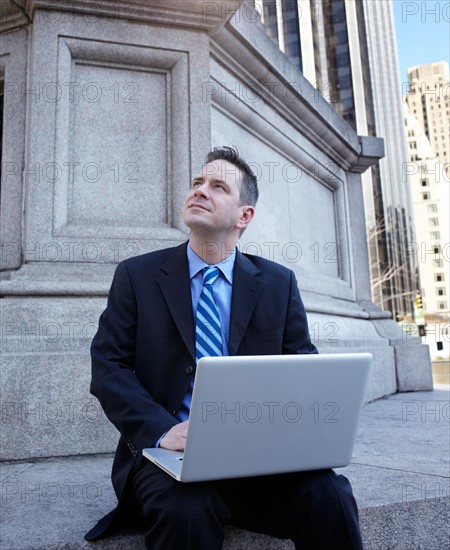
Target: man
143,365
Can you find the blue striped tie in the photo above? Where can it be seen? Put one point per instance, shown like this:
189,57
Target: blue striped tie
208,332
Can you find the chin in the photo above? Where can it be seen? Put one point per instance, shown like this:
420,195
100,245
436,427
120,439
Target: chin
193,221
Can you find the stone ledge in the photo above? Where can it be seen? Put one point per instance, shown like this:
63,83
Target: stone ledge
399,475
50,504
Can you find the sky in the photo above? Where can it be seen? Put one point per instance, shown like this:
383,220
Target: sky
423,32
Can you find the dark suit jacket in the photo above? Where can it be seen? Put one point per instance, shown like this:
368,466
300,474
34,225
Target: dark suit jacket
143,355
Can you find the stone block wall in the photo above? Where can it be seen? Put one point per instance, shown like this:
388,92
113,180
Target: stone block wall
108,113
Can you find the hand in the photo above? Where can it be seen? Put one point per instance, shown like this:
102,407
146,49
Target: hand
175,438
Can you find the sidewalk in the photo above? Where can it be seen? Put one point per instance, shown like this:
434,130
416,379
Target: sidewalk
399,472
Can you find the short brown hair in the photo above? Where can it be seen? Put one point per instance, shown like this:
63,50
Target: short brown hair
249,186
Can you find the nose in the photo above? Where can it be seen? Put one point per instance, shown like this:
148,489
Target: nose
201,190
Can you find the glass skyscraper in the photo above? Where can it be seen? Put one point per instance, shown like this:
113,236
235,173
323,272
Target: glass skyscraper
348,51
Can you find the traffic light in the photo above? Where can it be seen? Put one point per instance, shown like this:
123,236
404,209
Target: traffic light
419,304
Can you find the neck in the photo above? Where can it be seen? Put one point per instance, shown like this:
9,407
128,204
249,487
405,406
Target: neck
213,251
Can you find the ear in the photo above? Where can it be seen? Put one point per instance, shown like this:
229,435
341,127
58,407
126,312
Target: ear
246,217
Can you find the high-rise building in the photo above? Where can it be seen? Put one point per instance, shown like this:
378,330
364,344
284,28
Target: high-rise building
428,99
348,50
431,199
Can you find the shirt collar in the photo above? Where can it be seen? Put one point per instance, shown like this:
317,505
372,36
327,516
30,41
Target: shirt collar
196,264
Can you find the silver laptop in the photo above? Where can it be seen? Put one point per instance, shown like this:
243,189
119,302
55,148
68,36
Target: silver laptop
259,415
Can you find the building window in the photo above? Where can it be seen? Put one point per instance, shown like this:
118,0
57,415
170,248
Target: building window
440,291
425,196
439,277
435,235
442,305
270,19
1,122
291,31
424,182
432,208
338,59
437,263
434,222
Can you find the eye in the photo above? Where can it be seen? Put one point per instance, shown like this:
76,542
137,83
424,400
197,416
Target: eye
196,183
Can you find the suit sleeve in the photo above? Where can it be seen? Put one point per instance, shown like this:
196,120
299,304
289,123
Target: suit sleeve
126,403
296,338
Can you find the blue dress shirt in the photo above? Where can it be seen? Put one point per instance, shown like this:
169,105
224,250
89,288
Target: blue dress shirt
222,295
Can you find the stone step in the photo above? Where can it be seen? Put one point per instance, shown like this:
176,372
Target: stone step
399,473
441,372
441,378
441,367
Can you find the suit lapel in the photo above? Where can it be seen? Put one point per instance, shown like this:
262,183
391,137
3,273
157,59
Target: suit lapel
246,290
174,282
175,285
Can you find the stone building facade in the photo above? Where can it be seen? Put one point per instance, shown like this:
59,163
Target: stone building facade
108,111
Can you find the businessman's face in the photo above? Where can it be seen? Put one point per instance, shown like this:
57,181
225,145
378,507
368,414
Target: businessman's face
212,205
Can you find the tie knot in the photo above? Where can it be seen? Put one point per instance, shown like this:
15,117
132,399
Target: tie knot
210,275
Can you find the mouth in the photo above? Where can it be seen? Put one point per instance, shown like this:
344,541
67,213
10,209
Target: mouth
197,205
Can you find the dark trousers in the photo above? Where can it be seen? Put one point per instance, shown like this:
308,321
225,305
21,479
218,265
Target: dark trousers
316,510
